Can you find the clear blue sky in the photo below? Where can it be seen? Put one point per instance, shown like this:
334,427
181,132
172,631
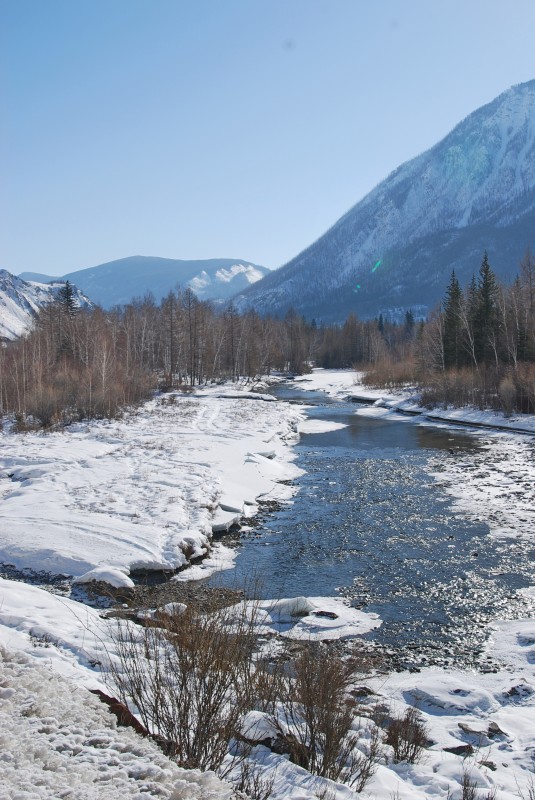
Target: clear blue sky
226,128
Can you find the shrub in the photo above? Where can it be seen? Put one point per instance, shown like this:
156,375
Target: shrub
190,681
407,735
314,715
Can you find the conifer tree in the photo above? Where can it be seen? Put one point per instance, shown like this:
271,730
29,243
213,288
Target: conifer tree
67,299
452,331
486,314
409,324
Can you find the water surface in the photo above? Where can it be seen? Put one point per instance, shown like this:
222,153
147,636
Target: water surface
369,523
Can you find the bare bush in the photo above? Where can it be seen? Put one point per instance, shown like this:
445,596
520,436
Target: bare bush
407,735
392,373
313,716
507,394
253,782
468,786
190,682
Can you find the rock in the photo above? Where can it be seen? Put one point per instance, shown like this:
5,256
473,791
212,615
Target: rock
520,690
494,730
490,764
362,691
460,750
472,731
326,614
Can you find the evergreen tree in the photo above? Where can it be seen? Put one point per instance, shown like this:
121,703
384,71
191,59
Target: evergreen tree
527,284
486,314
409,324
452,330
67,299
381,324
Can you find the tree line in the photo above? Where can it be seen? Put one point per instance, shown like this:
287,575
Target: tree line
89,363
478,348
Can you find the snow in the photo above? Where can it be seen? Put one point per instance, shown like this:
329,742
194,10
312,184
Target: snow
319,426
20,301
101,495
57,740
113,576
68,636
310,619
249,272
334,382
501,490
144,492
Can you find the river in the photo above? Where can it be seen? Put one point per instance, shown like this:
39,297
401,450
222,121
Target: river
368,522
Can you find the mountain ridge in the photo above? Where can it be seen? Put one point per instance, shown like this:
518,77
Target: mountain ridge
119,281
481,175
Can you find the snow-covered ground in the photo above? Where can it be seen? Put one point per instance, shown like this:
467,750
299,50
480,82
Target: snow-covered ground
57,741
146,491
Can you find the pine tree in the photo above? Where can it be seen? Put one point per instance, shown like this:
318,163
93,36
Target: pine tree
527,283
452,331
381,324
409,324
486,314
67,299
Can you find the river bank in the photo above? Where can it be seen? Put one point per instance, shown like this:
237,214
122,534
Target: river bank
100,500
500,491
178,463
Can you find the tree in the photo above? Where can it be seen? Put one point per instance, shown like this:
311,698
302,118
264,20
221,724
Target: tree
527,283
527,277
409,324
381,324
486,317
67,299
452,330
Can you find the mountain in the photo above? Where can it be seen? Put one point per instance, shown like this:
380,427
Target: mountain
395,249
20,301
119,282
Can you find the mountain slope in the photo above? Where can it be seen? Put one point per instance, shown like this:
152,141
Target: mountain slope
20,301
474,190
118,282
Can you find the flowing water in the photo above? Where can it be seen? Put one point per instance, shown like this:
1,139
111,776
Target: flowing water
369,523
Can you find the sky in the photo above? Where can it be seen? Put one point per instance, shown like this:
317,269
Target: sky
226,128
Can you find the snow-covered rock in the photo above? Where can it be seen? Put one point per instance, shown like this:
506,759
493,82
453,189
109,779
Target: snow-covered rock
21,300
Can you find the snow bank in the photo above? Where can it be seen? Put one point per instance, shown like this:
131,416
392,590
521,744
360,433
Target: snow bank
489,717
337,383
68,636
319,426
346,385
500,490
310,618
57,740
145,492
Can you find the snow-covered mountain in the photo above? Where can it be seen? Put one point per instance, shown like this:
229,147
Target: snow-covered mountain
20,301
119,282
474,190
